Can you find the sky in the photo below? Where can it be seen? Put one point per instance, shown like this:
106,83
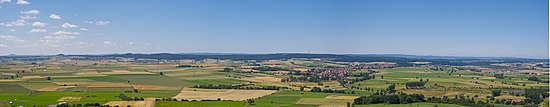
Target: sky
488,28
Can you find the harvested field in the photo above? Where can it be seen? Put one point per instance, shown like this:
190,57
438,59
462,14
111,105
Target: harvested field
146,87
32,77
107,84
89,74
132,103
11,80
263,79
70,83
213,94
24,78
67,99
110,73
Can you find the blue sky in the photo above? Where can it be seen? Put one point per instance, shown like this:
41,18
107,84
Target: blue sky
512,28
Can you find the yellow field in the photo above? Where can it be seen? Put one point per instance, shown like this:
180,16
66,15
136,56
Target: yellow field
223,94
132,103
66,99
263,79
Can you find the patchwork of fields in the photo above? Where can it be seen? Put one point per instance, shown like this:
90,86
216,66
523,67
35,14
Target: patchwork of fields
158,84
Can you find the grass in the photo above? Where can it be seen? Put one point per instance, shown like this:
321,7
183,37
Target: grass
10,87
292,98
217,81
47,98
36,85
156,80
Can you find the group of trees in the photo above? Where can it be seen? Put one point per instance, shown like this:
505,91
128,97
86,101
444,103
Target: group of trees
414,85
459,100
533,78
317,89
400,98
499,76
362,77
126,98
84,105
307,78
240,86
188,66
391,88
496,93
535,95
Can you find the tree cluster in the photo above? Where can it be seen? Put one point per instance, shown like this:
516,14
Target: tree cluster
400,98
317,89
413,85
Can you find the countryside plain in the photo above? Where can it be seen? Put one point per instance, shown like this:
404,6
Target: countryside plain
270,80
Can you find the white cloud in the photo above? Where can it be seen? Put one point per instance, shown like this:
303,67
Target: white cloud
23,2
83,29
129,43
5,1
19,22
60,37
90,22
62,32
39,24
107,42
11,38
100,23
30,12
55,39
68,25
37,30
55,16
3,46
12,30
27,17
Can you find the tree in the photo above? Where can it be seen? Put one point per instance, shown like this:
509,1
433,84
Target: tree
227,69
161,73
533,78
391,88
535,95
499,76
496,92
414,85
48,78
315,89
250,101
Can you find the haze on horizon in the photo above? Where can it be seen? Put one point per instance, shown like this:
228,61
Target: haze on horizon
488,28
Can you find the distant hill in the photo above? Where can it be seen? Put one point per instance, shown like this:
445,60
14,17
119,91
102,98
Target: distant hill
397,58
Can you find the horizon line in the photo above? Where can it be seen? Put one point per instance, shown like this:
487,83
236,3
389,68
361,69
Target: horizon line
260,53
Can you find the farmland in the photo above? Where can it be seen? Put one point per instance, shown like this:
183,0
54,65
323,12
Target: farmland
263,81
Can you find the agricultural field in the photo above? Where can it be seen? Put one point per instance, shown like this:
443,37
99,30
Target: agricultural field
295,82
